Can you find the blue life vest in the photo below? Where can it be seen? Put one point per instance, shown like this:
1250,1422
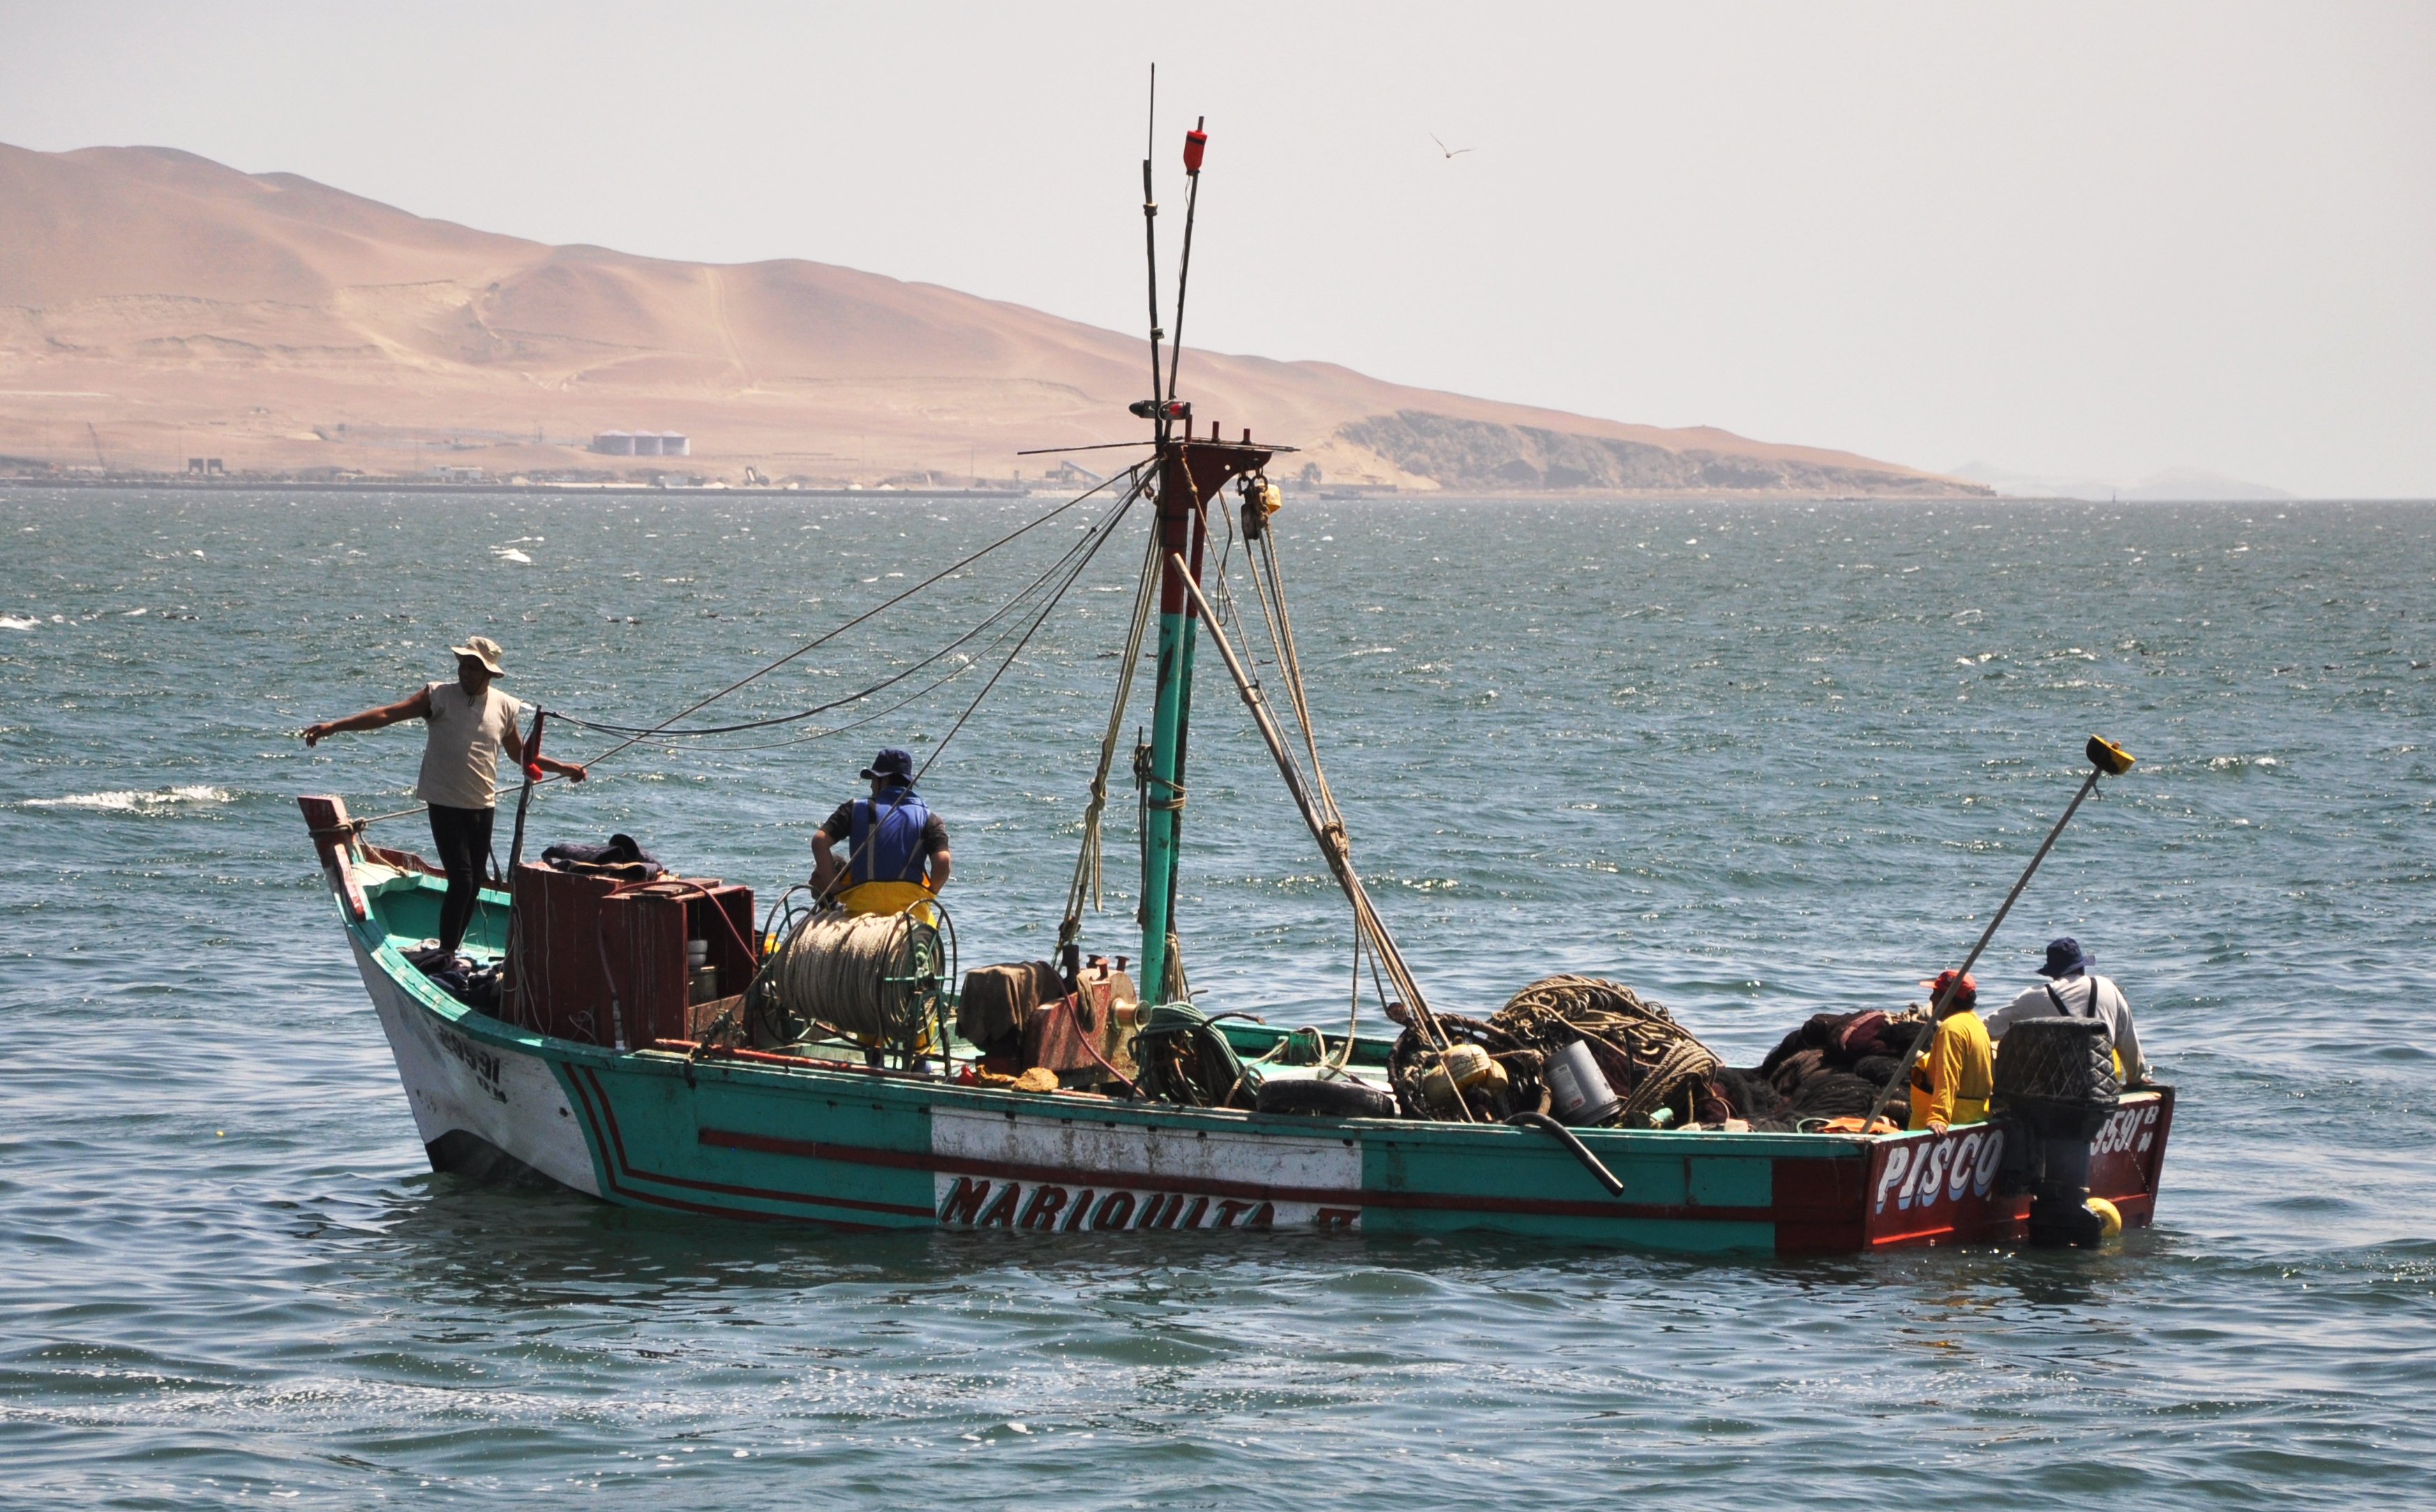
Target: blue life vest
887,841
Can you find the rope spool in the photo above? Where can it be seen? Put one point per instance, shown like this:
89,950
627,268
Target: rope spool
874,976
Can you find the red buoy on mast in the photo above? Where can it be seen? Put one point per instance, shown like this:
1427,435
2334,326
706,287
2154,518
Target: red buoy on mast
1196,142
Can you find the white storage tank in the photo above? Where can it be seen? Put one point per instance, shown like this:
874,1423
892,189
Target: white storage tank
647,444
615,444
675,444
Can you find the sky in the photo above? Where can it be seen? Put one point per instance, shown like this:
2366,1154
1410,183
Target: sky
2068,240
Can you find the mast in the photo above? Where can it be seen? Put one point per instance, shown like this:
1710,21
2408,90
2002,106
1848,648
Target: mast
1191,474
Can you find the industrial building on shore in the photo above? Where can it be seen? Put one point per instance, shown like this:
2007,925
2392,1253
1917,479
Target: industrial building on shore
642,444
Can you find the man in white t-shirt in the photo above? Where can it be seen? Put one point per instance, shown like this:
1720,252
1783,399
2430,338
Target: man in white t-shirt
470,724
2075,990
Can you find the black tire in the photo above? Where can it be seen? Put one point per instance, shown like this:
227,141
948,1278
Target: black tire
1312,1098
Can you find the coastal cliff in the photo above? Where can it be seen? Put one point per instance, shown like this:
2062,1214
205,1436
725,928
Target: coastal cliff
156,306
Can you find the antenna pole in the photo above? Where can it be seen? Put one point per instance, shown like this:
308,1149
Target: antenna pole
1194,141
1150,251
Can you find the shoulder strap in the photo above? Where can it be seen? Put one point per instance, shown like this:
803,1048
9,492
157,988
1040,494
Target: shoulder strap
2055,997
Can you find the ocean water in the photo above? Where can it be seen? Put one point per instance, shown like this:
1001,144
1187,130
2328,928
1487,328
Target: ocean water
1757,760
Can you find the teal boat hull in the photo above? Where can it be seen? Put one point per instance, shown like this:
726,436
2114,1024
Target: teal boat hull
792,1139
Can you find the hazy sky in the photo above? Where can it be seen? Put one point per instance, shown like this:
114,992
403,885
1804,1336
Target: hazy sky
2070,239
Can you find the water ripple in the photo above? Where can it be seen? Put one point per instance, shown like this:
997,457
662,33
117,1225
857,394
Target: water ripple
1752,776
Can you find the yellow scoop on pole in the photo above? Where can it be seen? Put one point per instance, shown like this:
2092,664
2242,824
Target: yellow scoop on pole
2108,756
2106,759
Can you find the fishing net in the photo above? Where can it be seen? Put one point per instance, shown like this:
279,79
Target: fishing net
1412,1057
1648,1059
1833,1065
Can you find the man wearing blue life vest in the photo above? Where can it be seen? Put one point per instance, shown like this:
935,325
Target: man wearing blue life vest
890,837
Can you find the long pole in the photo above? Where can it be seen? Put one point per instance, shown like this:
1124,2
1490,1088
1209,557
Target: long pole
524,798
515,857
1150,252
1330,836
1184,264
2104,758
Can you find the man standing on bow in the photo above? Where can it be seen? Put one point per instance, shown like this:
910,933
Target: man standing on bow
890,836
2075,990
469,724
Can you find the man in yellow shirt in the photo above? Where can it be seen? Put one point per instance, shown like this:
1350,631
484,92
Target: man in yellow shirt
1953,1082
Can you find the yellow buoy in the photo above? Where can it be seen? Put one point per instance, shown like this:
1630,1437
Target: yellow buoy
2109,1216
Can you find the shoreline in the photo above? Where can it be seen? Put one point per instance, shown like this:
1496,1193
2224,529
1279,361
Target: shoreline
1323,495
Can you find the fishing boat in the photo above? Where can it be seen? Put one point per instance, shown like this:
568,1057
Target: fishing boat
858,1079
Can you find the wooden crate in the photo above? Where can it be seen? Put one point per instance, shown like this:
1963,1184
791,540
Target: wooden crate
647,928
604,963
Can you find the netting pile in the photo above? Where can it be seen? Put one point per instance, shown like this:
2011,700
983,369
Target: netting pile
1649,1060
1834,1066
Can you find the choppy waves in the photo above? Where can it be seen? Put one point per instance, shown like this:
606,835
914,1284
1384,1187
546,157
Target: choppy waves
135,801
231,1278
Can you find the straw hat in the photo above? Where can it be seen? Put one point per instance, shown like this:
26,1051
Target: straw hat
484,649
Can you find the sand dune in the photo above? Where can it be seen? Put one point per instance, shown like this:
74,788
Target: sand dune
156,305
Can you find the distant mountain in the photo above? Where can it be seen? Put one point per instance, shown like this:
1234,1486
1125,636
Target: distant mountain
2175,485
156,305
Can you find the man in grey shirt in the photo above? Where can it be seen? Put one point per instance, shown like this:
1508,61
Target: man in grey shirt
470,724
2075,990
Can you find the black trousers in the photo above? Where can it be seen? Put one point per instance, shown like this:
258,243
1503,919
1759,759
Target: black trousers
463,837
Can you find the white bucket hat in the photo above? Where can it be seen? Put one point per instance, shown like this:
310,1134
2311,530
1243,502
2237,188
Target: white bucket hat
484,649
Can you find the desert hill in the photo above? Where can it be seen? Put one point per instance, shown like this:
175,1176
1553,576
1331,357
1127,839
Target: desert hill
156,305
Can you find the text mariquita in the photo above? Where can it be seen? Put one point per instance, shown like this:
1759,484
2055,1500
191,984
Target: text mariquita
969,1203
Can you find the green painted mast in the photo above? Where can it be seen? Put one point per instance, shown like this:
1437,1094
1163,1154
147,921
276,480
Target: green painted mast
1170,710
1191,474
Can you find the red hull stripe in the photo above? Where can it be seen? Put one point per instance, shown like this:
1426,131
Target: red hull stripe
615,1148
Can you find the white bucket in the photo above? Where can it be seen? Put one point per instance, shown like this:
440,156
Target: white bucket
1577,1092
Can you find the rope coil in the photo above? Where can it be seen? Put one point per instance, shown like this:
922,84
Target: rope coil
871,974
1650,1061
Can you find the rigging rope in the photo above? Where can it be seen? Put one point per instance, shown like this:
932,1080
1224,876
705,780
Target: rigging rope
662,731
1134,478
1270,590
1088,548
1097,540
1087,862
868,615
925,691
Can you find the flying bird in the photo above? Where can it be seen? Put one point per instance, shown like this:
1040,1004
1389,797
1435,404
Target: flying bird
1450,152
